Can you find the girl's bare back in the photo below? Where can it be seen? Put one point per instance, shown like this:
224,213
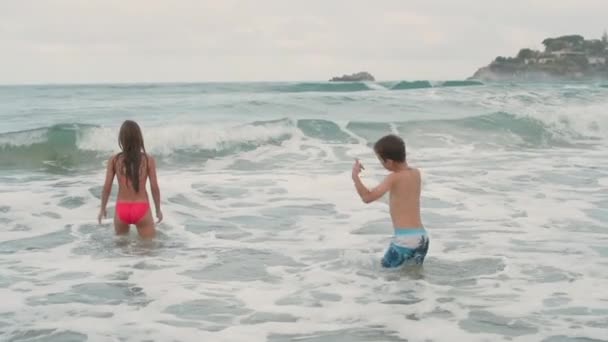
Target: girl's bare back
126,192
132,206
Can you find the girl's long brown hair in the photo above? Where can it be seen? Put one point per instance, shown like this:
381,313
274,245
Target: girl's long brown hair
131,143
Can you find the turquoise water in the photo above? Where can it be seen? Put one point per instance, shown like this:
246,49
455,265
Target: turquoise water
264,238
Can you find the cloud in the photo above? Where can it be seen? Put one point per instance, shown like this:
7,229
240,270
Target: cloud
195,40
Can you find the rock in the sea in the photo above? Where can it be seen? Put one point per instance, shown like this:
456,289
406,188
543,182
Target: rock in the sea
358,77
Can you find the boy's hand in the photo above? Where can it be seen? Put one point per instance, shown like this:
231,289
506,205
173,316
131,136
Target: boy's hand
357,167
102,214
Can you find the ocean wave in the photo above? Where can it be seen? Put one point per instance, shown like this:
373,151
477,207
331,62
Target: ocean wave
323,87
403,85
423,84
504,129
69,146
468,83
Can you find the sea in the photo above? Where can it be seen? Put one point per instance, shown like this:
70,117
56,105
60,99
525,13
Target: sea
264,237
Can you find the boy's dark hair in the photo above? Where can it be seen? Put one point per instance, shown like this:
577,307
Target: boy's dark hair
391,147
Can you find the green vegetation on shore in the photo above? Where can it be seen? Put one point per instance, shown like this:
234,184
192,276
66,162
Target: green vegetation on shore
569,57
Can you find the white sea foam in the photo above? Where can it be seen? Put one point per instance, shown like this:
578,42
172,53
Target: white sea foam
273,244
168,139
23,138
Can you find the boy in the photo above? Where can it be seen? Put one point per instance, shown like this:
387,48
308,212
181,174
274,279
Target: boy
410,243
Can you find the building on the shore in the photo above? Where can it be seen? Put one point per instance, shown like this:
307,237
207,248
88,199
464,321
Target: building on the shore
594,51
545,60
567,53
565,57
596,60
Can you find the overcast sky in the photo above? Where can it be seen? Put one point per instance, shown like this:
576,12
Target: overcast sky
66,41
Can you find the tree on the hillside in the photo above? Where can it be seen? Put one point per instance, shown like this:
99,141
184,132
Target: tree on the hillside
555,44
525,54
573,39
594,47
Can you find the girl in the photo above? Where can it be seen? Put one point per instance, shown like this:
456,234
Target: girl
132,168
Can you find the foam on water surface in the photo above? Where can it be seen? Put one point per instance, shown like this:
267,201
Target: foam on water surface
270,243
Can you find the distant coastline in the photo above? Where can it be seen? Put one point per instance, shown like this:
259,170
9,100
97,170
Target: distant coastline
565,58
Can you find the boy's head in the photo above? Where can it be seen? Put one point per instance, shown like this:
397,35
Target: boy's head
390,150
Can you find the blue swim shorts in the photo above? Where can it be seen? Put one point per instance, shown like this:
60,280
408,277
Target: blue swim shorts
408,246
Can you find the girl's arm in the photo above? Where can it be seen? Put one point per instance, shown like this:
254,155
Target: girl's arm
107,189
154,187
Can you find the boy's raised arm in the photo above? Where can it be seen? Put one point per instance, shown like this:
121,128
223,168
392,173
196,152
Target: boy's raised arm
366,195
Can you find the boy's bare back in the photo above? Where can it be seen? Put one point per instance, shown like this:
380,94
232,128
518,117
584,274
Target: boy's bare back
405,198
